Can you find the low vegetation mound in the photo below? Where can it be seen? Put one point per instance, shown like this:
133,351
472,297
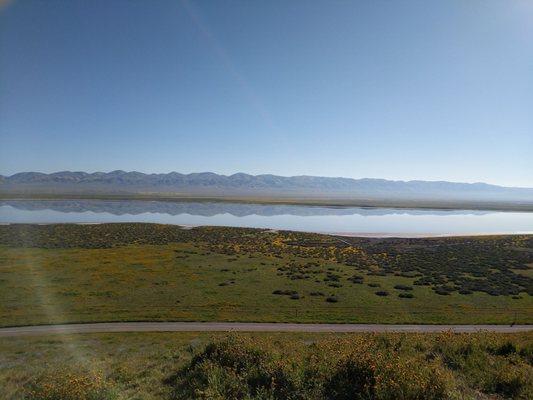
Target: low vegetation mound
386,367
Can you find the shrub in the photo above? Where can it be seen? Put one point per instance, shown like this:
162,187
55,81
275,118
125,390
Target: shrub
336,369
506,349
406,295
235,369
332,299
356,279
403,287
285,292
295,296
332,277
353,378
382,293
511,381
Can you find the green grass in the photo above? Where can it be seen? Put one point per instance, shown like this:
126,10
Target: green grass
192,365
123,272
220,274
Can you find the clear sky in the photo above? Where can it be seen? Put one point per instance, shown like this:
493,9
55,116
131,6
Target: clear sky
435,90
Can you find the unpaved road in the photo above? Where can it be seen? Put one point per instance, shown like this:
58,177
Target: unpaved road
247,327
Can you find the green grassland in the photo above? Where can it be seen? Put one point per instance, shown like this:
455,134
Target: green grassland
167,366
141,272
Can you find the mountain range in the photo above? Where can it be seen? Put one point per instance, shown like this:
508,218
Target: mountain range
241,184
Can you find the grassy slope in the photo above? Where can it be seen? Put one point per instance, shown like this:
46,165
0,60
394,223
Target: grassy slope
182,281
138,366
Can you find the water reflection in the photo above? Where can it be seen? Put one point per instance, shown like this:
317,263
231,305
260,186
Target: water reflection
340,220
210,209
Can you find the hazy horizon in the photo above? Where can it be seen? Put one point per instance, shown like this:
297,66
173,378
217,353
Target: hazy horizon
386,90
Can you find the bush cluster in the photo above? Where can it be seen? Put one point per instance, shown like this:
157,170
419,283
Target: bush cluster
403,287
363,366
285,292
239,368
406,295
384,367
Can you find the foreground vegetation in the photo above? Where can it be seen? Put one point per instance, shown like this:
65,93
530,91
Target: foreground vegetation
260,366
119,272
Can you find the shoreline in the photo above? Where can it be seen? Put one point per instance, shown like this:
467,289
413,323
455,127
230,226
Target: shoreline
369,235
296,201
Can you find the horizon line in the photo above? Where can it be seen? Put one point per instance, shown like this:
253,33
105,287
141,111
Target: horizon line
268,174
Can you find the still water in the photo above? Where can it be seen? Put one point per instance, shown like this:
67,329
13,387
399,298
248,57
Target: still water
339,220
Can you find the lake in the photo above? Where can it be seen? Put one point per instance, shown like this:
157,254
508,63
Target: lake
338,220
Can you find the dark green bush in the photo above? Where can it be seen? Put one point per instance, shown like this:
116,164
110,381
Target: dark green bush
506,349
352,379
285,292
511,381
403,287
406,295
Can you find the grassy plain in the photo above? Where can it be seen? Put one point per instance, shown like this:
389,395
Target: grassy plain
141,272
164,366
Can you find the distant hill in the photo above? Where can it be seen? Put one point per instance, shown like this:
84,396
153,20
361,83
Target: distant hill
211,184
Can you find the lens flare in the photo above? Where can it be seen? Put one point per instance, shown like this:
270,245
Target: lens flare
226,61
51,307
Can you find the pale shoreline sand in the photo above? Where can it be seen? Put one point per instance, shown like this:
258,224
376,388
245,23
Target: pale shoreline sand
384,235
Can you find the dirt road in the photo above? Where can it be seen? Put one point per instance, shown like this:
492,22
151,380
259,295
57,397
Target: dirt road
247,327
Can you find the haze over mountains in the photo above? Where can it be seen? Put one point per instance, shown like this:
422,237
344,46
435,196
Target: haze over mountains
240,184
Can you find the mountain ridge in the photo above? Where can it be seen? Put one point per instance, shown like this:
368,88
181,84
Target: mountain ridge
81,176
262,185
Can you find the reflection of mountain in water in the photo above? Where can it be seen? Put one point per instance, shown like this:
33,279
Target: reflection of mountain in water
209,209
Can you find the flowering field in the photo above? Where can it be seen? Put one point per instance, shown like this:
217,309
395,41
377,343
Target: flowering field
140,272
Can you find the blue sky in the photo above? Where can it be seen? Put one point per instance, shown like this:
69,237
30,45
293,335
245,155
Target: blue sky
435,90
